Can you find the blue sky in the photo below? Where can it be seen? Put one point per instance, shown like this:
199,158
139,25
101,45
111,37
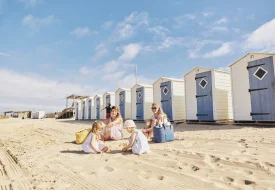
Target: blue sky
50,49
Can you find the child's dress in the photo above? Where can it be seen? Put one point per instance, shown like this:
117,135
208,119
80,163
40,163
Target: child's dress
140,145
86,146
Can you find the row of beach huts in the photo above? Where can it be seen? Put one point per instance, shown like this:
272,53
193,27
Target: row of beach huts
246,93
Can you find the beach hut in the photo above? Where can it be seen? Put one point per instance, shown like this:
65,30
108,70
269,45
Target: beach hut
169,93
208,95
89,108
98,107
83,109
123,101
253,87
142,99
77,110
38,114
108,98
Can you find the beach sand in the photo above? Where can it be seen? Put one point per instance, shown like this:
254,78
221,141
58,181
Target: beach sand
42,154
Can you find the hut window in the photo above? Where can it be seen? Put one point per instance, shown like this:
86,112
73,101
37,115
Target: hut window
165,90
139,95
203,83
260,73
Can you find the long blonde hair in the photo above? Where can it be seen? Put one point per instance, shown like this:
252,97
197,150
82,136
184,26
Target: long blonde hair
118,111
160,111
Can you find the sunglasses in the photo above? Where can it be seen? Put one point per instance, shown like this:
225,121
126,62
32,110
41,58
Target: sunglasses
153,108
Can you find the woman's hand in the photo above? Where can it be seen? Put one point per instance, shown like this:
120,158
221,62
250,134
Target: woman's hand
125,149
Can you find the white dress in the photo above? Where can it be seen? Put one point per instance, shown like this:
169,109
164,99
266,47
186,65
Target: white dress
140,145
115,131
86,146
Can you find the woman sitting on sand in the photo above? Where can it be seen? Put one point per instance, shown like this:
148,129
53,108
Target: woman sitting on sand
157,118
113,129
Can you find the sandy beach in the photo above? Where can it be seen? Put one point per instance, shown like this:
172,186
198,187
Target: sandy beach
42,154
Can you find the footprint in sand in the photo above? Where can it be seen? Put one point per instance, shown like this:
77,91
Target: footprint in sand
142,176
227,179
194,168
248,172
109,169
248,182
1,144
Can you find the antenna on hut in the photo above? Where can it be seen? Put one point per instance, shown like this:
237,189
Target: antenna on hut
136,73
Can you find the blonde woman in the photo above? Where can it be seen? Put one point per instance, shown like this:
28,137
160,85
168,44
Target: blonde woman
113,129
157,118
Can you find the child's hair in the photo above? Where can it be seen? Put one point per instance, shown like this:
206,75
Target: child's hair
97,125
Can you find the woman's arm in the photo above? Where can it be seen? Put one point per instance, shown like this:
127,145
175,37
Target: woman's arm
105,121
93,141
133,138
116,121
153,123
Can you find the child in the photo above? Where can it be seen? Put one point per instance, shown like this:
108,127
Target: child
137,141
93,143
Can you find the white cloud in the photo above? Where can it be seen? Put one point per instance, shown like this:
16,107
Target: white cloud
107,25
85,70
225,49
198,46
219,28
130,80
35,22
223,20
130,52
263,38
83,31
29,3
30,91
113,76
4,54
100,51
111,66
159,31
181,20
207,14
128,27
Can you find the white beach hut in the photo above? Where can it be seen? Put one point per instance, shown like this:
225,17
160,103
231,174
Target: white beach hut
98,107
89,108
169,93
253,87
142,99
123,101
37,114
108,97
83,109
208,95
77,109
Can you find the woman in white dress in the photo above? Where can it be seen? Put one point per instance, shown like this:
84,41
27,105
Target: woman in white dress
137,142
113,129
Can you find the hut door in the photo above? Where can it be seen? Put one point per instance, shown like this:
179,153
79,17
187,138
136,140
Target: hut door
122,104
76,111
98,108
166,100
139,103
262,88
83,110
90,109
107,100
204,96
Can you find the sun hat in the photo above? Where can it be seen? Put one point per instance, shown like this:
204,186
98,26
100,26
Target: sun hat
129,123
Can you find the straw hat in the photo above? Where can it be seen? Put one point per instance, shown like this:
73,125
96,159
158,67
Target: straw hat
129,123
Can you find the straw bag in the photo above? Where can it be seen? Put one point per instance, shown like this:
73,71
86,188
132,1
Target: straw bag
81,136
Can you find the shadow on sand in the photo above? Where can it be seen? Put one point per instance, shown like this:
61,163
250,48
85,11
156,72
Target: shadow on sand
73,151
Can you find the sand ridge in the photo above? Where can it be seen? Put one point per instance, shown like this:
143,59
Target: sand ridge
42,154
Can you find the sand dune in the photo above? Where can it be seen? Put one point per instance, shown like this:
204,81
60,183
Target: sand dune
42,154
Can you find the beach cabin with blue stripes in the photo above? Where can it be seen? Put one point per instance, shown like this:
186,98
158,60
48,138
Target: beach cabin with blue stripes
142,99
108,97
253,87
89,108
83,109
123,101
98,106
208,95
169,94
77,110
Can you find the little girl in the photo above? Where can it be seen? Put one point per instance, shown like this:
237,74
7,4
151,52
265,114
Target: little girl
93,143
137,141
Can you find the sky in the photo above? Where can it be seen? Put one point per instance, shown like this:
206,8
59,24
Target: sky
51,49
